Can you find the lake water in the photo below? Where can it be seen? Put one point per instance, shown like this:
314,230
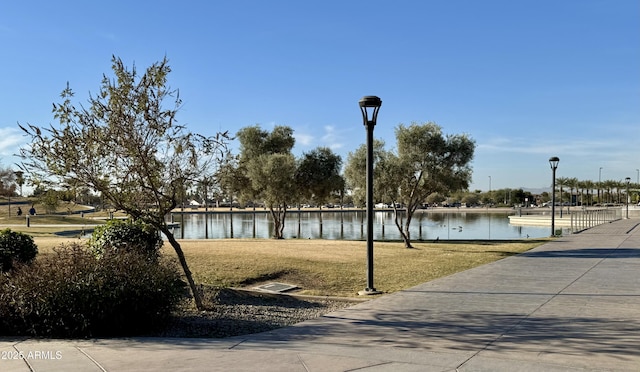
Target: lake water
351,225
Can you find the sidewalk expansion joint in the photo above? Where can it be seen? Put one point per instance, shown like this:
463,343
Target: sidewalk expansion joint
91,359
25,360
631,229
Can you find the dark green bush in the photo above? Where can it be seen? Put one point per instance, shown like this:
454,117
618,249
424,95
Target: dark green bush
126,236
73,293
16,247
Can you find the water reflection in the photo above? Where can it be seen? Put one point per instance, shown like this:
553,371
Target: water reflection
350,225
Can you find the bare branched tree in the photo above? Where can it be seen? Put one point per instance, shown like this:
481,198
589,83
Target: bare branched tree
127,146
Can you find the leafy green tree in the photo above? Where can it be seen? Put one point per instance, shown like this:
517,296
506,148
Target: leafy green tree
471,199
429,161
7,182
318,175
233,182
545,197
426,162
435,198
265,170
522,197
272,176
50,200
127,146
355,172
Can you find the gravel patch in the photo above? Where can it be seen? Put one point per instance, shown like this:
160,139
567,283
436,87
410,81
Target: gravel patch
238,312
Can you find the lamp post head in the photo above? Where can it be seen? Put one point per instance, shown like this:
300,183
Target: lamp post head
628,180
553,161
370,105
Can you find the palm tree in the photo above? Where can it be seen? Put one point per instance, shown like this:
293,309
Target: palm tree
606,186
573,184
591,190
612,190
599,186
581,187
620,188
590,187
562,181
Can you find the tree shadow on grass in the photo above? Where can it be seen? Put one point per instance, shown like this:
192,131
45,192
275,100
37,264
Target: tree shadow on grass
264,277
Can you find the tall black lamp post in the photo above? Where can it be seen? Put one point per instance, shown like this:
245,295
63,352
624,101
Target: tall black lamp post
553,161
370,105
628,181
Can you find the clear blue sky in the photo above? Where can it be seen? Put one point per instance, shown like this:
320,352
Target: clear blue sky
526,79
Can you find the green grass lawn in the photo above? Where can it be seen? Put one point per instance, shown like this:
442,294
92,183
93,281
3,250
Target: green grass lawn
326,267
318,267
334,267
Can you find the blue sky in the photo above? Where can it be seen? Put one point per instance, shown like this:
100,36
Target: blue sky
527,80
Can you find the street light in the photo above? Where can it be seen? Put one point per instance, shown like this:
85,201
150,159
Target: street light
489,191
600,174
599,182
628,181
370,105
553,161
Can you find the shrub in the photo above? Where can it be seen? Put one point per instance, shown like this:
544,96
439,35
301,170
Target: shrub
16,247
125,236
73,293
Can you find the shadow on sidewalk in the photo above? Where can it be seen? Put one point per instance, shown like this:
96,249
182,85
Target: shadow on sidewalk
469,331
587,253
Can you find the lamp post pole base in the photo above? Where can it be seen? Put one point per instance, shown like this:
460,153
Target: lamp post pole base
369,292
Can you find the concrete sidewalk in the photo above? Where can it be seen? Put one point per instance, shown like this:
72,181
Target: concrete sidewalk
570,305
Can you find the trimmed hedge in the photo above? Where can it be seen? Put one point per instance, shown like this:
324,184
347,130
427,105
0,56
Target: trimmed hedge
15,247
117,236
73,293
